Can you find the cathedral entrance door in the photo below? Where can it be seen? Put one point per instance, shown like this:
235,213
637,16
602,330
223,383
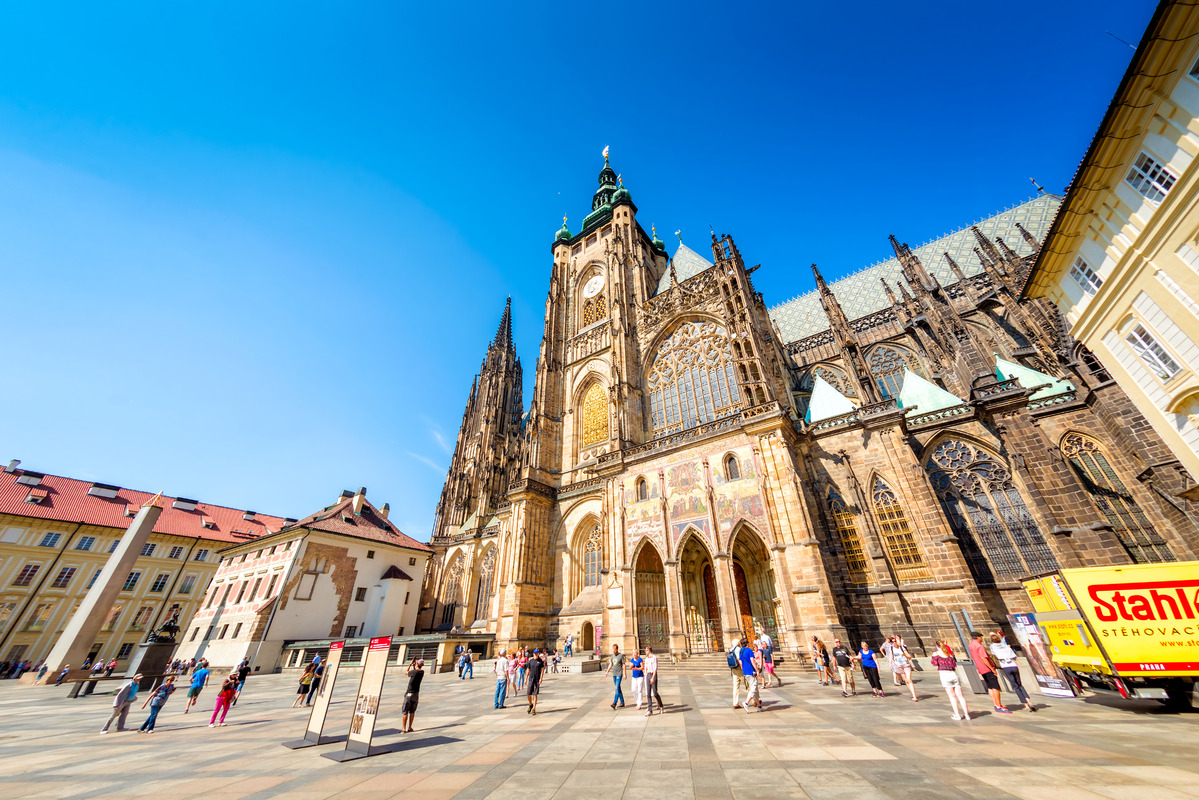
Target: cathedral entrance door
649,588
588,638
753,584
701,609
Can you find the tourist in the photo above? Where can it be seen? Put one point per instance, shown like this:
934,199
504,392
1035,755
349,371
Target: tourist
66,669
416,674
224,700
500,668
568,647
870,669
901,665
651,682
826,664
305,682
522,668
737,672
617,664
121,702
466,666
512,659
768,662
750,669
317,671
243,672
987,670
536,669
636,669
199,681
844,661
887,650
111,666
947,669
1006,657
156,701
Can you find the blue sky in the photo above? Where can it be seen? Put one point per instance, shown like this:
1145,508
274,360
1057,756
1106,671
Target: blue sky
253,253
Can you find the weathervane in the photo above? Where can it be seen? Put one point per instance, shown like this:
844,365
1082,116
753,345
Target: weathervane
679,233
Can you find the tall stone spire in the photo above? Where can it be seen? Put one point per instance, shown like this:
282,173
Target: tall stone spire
832,309
503,336
913,268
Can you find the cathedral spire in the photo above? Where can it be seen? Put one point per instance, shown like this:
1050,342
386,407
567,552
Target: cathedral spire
913,268
1008,253
887,289
957,271
1028,237
503,336
842,330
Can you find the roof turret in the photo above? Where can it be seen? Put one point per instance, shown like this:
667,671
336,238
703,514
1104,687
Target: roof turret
564,233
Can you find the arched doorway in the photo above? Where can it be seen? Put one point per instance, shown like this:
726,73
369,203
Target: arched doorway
753,585
701,607
649,585
588,637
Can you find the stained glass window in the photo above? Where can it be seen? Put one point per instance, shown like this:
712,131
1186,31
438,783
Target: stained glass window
595,416
691,380
905,555
851,544
592,559
887,365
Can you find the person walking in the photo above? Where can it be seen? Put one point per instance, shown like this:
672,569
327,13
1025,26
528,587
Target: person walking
651,682
305,682
947,669
199,681
888,650
1006,656
224,700
870,669
317,671
768,662
637,670
500,668
243,672
568,647
66,669
466,666
156,701
901,665
750,669
826,663
522,667
536,668
512,667
415,673
108,669
737,672
844,661
121,702
617,664
986,667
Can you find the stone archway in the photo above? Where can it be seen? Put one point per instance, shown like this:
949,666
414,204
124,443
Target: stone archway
649,589
701,601
754,588
588,637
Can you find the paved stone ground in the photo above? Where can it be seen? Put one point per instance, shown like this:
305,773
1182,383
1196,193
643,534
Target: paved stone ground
808,743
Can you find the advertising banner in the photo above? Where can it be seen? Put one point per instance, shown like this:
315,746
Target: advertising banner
1049,677
366,706
320,707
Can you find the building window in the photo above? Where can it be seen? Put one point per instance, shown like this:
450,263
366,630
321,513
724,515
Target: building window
64,578
201,555
141,620
148,549
224,630
85,543
692,380
351,631
486,584
732,470
853,555
1152,353
189,581
1131,526
593,557
887,365
38,619
126,649
26,575
50,540
270,587
1085,277
176,552
370,553
7,609
407,595
595,416
400,632
999,537
243,558
208,633
237,630
642,489
114,614
131,581
360,593
412,562
195,633
271,552
241,592
257,586
1150,178
112,548
95,576
160,582
906,558
452,587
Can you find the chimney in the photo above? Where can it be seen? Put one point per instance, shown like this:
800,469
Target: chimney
12,465
385,510
359,499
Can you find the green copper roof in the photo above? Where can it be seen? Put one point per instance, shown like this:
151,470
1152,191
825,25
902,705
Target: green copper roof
1030,379
861,293
925,396
826,402
687,264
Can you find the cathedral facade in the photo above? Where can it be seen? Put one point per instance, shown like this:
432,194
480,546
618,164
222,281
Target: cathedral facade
889,454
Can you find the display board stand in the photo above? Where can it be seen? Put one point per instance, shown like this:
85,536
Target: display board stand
320,708
366,706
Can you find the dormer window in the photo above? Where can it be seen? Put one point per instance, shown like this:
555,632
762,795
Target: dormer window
36,496
207,522
30,478
183,504
103,490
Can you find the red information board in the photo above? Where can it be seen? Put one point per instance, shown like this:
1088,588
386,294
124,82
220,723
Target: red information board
366,706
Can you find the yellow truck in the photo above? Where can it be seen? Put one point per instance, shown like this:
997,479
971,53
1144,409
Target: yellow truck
1133,630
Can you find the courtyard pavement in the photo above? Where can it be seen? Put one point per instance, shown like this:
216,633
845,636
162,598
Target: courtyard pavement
808,743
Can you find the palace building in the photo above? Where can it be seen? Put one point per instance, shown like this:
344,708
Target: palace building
875,456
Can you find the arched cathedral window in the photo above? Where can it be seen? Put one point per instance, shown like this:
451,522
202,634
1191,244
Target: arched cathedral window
595,416
642,489
732,470
905,555
595,306
999,537
691,380
593,558
453,586
1129,522
486,584
851,544
887,365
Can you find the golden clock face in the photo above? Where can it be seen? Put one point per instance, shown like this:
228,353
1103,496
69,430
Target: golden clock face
593,286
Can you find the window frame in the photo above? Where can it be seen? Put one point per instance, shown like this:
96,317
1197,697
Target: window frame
90,541
50,539
1085,277
1144,174
1144,343
61,582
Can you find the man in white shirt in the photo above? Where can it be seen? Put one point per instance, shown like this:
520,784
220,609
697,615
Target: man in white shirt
501,678
651,681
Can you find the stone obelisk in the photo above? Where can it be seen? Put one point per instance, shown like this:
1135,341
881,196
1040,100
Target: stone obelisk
80,633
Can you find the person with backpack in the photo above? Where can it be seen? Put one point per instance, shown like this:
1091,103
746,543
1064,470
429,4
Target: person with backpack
733,657
156,701
751,667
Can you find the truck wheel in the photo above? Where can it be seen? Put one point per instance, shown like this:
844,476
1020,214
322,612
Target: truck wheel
1178,696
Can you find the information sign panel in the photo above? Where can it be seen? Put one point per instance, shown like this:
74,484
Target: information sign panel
320,706
366,705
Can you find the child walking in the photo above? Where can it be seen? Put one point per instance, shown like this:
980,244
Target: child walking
224,700
156,701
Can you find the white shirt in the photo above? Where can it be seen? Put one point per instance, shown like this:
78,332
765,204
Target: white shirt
501,668
651,664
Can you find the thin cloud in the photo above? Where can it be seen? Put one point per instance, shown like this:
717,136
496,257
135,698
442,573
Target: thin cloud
438,436
432,464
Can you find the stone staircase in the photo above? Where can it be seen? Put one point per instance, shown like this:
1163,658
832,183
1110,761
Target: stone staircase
717,664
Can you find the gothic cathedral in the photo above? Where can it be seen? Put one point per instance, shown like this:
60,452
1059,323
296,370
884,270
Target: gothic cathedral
873,457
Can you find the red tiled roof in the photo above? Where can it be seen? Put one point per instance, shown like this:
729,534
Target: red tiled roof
340,518
67,500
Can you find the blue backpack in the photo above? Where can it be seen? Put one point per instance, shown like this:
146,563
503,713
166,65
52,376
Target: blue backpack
734,662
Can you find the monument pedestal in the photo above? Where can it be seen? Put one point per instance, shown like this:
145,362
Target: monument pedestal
150,658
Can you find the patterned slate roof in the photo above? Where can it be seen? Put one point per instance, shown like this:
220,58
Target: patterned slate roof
861,293
67,500
687,264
